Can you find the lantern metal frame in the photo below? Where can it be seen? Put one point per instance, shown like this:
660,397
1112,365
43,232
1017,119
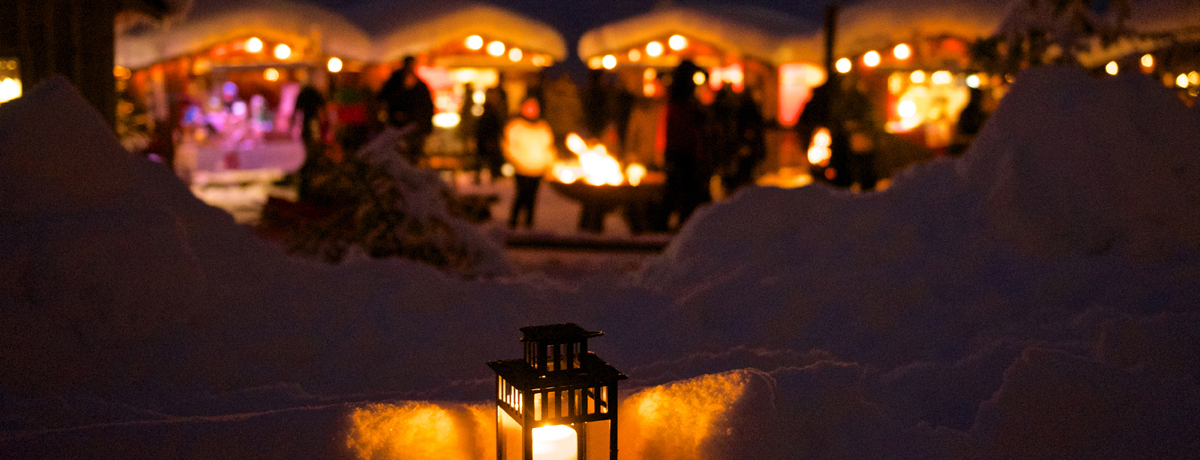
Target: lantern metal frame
558,382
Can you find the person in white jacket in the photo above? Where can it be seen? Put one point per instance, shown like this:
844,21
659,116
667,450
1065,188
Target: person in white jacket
529,146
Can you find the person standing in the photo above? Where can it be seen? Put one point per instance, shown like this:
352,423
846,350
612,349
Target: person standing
489,129
685,154
529,146
409,108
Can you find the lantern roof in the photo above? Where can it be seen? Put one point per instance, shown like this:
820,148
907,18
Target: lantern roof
557,333
594,372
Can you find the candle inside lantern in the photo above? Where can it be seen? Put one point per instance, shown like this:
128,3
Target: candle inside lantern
554,442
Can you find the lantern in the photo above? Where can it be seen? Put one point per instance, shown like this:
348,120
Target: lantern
555,397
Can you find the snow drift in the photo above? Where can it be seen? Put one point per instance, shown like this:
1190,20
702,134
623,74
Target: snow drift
1035,298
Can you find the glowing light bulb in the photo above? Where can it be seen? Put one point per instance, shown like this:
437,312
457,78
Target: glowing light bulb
902,51
478,96
1181,81
334,65
576,143
942,77
253,45
677,42
609,61
649,74
595,62
1194,78
1147,60
1112,68
9,89
538,60
698,78
515,54
271,74
906,109
634,173
654,49
973,81
496,48
917,77
648,89
474,43
871,59
635,55
283,51
843,65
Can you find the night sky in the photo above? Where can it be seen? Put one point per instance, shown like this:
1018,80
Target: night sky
574,17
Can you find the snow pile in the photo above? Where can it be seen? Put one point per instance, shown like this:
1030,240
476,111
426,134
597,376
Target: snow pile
1035,298
390,208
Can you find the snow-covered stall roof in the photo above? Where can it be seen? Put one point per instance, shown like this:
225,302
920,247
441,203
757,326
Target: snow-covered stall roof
876,24
1169,16
743,29
401,28
210,22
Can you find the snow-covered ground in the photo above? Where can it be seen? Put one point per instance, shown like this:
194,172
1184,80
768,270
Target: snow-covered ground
1034,298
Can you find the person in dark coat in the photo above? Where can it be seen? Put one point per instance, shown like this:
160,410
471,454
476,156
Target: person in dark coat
687,164
409,108
489,129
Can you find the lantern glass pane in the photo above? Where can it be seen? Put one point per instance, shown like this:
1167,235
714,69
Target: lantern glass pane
511,431
597,439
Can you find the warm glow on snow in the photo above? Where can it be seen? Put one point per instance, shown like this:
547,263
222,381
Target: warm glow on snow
1112,68
679,417
902,51
654,49
818,151
843,65
283,51
496,48
677,42
334,65
474,43
253,45
421,430
871,59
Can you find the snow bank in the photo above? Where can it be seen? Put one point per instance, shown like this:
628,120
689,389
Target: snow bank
1035,297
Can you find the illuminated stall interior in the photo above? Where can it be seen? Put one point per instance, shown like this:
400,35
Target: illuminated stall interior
738,46
225,78
456,44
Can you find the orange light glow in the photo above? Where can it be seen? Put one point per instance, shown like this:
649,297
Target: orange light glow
515,54
334,65
595,62
871,59
474,43
1147,61
634,55
654,49
421,430
282,51
554,442
902,51
818,151
843,65
496,48
596,166
681,417
677,42
635,173
253,45
271,74
609,62
1112,68
796,81
538,60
